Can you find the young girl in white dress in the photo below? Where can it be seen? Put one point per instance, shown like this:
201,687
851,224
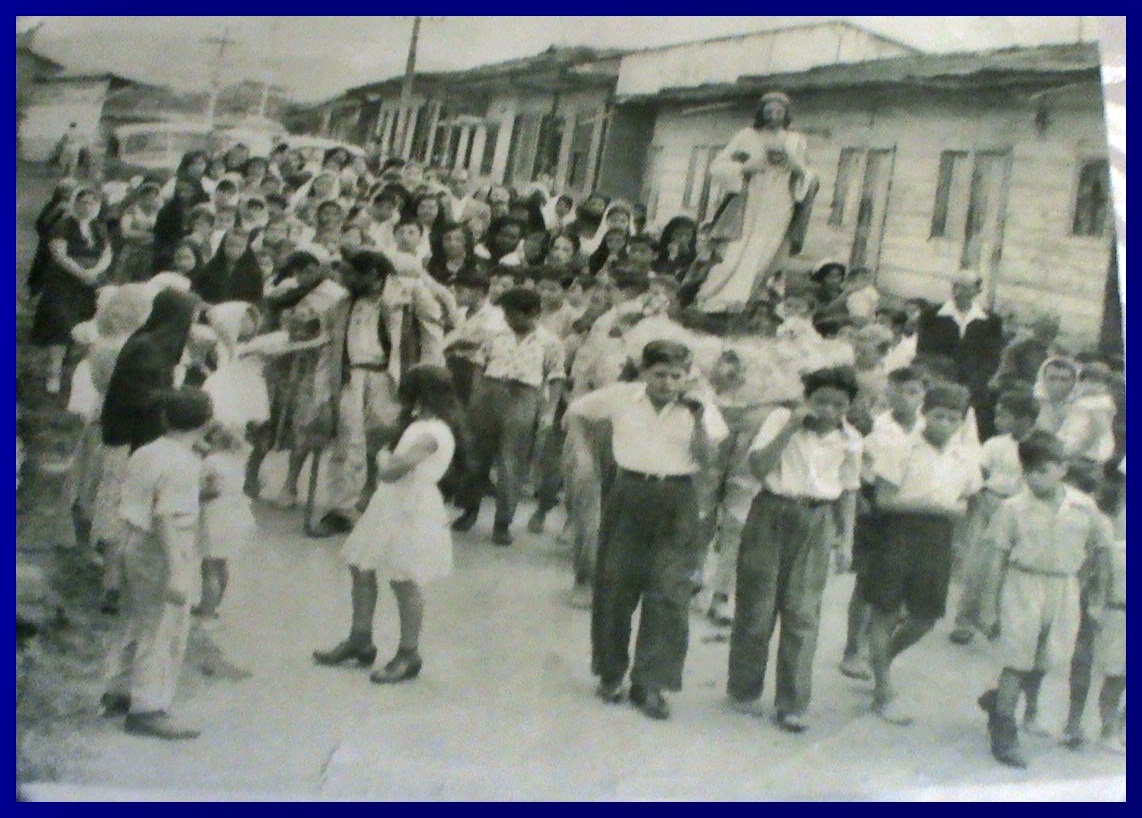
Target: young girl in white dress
404,534
228,524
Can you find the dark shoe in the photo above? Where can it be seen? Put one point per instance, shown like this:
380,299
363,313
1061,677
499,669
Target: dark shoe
611,692
501,536
961,636
332,524
986,702
404,666
537,521
115,704
110,602
466,521
362,654
157,725
651,702
1005,742
1073,738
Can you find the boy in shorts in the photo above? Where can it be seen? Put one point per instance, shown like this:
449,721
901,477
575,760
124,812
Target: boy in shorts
1047,534
921,486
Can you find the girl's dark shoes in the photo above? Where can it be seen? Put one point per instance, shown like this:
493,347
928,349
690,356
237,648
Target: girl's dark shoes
363,653
404,666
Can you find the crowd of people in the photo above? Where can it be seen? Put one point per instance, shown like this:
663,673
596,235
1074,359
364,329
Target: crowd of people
421,345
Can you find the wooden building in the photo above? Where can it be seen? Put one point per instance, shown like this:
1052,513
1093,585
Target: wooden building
509,123
988,161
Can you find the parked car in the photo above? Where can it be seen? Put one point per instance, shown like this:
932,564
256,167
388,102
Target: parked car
160,145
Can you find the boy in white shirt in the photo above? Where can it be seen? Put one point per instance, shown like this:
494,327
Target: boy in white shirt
160,508
1002,478
922,485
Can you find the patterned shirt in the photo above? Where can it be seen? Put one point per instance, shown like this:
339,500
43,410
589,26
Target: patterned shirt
534,359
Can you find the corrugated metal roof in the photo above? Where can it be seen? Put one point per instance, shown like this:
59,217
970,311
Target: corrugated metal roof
955,70
554,59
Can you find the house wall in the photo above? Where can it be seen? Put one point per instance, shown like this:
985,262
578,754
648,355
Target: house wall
1041,264
767,52
52,107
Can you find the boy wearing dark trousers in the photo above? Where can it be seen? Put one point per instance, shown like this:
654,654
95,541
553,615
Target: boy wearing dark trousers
922,485
523,374
808,462
1045,536
649,551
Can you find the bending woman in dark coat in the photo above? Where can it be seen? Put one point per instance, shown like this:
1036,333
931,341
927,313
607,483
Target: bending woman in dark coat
133,415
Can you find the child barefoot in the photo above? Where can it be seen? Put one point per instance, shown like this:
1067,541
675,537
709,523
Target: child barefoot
403,534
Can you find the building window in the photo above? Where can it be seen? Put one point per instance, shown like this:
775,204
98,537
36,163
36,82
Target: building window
1092,199
846,174
489,157
951,189
579,162
547,149
700,194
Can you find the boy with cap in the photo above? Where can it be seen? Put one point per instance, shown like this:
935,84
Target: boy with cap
1046,534
523,372
807,460
921,486
649,550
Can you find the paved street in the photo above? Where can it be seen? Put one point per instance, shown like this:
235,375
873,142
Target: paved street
504,707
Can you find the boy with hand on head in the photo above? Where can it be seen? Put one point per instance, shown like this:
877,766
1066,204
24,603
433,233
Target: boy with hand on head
808,463
160,507
1002,478
1046,534
922,484
662,436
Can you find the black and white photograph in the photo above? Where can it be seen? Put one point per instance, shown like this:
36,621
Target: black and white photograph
430,408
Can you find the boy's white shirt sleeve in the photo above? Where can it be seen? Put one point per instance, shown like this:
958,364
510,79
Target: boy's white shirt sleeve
1001,531
714,421
602,403
770,428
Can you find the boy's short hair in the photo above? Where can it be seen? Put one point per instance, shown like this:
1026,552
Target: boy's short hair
520,300
187,409
371,263
409,220
670,353
226,184
947,396
470,281
325,204
834,377
937,368
276,199
905,374
1039,449
1020,402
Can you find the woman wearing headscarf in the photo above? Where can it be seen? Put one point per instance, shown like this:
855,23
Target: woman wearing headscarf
767,166
80,255
54,211
233,274
136,261
619,215
172,221
132,414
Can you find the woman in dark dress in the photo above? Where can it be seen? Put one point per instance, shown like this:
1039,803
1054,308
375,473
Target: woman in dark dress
50,216
80,255
172,222
232,275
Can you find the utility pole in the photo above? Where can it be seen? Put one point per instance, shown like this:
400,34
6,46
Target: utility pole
264,102
223,43
406,85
